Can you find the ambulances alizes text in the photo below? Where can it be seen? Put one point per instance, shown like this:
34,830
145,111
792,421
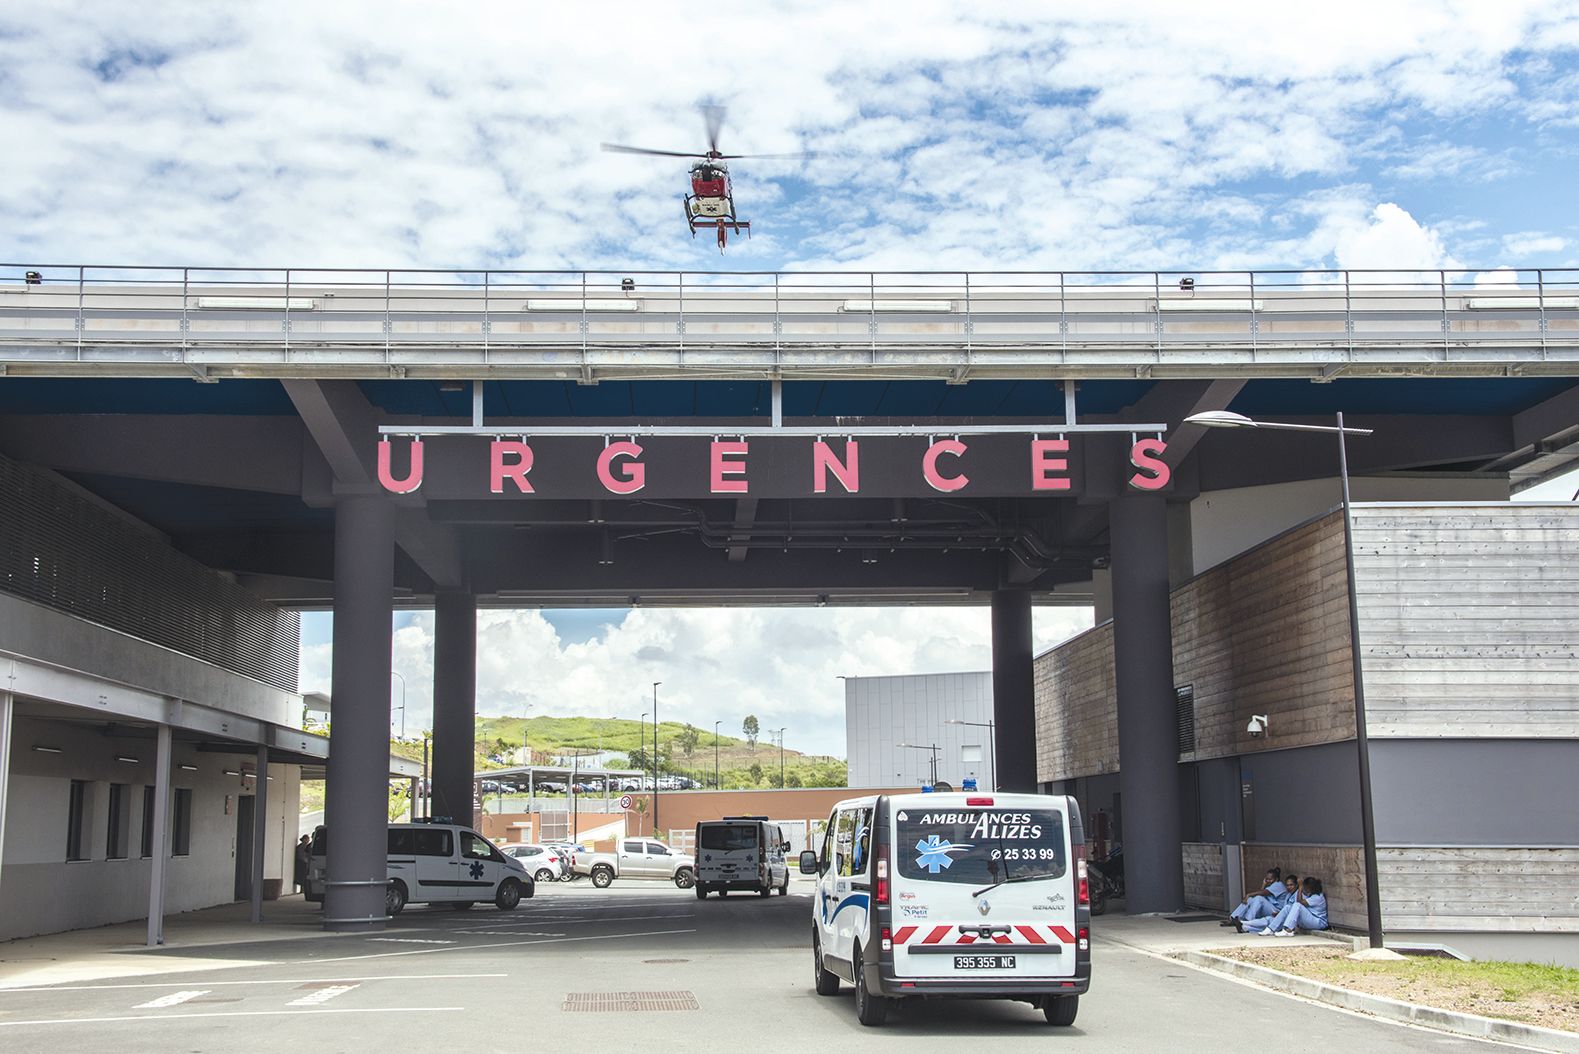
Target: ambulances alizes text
764,466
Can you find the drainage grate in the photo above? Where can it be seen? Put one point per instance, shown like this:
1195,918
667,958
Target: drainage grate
628,1002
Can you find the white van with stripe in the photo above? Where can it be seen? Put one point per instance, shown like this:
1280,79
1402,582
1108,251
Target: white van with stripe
976,895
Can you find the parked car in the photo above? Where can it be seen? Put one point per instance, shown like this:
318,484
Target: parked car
638,858
543,862
434,863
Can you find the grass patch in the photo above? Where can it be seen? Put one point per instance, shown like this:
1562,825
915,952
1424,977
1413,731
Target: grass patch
1532,993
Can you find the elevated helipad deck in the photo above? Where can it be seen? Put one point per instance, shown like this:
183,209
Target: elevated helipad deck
80,320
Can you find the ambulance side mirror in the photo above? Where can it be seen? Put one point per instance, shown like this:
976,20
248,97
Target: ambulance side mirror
808,862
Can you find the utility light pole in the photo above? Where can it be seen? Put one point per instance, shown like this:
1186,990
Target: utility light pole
1362,740
781,758
655,685
992,771
397,674
930,746
715,753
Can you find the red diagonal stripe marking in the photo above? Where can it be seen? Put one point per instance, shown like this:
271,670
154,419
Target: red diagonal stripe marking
966,938
1062,934
1030,934
903,934
1003,938
937,934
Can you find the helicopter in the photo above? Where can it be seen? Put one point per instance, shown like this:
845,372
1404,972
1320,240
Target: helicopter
711,203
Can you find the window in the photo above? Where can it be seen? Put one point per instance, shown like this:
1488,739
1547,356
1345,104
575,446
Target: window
657,849
181,823
724,837
119,840
148,823
843,842
979,846
77,821
825,857
402,842
635,849
435,843
475,847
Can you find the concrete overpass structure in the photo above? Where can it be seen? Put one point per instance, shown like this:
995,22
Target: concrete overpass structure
241,416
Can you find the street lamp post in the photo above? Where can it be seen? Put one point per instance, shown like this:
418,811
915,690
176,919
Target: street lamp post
932,747
655,685
992,743
397,674
1362,740
781,758
715,753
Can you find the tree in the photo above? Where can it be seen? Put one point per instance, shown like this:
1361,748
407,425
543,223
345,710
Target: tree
756,773
792,780
688,738
639,760
751,727
775,780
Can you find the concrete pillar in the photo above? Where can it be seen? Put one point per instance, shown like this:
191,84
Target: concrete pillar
161,838
6,707
1013,703
260,830
1147,733
356,798
454,704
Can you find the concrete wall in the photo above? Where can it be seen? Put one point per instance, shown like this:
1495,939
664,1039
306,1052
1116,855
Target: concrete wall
882,712
41,892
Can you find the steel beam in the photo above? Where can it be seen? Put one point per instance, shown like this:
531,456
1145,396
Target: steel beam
454,704
1013,692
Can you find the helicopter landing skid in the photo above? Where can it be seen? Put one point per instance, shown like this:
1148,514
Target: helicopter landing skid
722,225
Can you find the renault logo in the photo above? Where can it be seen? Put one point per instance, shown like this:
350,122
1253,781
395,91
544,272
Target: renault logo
982,906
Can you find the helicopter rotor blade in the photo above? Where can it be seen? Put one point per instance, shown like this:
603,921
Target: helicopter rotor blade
713,115
768,157
616,148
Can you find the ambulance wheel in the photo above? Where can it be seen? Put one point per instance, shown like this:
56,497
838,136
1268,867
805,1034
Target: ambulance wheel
784,889
701,892
723,892
508,896
1061,1010
765,891
394,898
827,982
870,1009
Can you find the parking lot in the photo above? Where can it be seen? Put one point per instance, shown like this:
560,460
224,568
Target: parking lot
637,964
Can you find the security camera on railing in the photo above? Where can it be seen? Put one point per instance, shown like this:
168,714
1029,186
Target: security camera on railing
1257,726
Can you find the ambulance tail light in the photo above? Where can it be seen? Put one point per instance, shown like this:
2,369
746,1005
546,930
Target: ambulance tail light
882,880
888,939
1083,939
1082,875
979,801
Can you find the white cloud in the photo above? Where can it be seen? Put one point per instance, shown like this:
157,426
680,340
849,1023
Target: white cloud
715,664
1533,243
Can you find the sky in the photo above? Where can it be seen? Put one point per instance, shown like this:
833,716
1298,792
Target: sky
1404,135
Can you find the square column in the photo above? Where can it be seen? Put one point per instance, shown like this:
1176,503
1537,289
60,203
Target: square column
1013,692
356,798
454,704
1148,747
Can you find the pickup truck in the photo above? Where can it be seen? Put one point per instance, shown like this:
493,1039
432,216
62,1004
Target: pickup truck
638,858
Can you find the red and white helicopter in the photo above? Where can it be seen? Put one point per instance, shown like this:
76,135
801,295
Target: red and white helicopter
711,203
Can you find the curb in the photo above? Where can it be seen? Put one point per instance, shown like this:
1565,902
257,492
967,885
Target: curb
1471,1025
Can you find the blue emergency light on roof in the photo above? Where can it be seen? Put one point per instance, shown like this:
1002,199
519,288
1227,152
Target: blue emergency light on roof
968,783
926,788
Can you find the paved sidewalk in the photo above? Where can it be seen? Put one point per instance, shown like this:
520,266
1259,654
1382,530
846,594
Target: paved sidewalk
120,951
1162,935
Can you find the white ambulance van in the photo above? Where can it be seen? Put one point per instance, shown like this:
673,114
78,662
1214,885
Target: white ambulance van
974,895
740,852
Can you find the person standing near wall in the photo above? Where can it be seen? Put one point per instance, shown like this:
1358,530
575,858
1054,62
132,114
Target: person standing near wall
303,861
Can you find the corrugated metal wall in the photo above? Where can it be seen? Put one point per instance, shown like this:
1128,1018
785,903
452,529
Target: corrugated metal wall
63,550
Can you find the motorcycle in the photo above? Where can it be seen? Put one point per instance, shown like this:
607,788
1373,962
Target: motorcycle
1106,881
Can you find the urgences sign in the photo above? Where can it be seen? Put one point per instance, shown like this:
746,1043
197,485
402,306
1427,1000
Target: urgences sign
759,466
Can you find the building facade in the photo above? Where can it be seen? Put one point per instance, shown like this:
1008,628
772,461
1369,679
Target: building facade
894,727
1471,681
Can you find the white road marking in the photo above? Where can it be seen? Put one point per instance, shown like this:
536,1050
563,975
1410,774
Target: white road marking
173,999
501,944
409,940
288,980
237,1013
510,933
323,995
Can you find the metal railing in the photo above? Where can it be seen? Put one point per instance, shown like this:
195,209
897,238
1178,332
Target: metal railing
591,324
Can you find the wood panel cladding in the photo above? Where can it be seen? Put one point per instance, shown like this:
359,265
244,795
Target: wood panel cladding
1203,875
1468,616
1268,633
1480,888
1076,723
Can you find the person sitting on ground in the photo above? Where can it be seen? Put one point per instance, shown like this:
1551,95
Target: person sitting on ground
1263,903
1308,910
1289,889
